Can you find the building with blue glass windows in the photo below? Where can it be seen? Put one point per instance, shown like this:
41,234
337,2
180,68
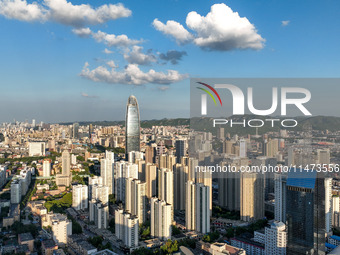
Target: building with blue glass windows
305,212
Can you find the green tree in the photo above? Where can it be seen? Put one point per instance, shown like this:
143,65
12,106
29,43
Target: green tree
169,247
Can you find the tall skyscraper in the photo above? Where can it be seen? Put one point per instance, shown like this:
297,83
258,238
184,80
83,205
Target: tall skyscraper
132,126
160,219
328,204
106,170
180,178
305,213
252,197
66,163
197,212
180,150
280,197
75,130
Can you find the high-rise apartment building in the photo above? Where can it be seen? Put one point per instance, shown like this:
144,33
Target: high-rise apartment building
61,228
276,239
229,191
197,212
132,126
107,170
151,180
135,198
180,179
126,228
252,197
123,170
80,198
166,186
64,179
161,223
47,168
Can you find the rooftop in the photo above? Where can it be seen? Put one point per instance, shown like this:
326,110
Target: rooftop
24,237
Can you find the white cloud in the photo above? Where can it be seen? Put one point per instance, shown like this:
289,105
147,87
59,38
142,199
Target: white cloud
80,15
113,40
221,29
62,12
111,64
107,51
21,10
174,29
136,56
82,32
285,23
130,75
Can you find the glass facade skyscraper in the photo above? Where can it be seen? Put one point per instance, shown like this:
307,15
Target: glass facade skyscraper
132,126
305,207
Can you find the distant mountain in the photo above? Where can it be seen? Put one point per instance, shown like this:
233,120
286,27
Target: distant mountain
144,123
205,124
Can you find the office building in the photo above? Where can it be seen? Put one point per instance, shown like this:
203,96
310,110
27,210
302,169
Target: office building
75,131
280,191
305,213
180,150
132,126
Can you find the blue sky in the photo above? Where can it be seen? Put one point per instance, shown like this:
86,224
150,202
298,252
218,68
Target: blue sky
42,58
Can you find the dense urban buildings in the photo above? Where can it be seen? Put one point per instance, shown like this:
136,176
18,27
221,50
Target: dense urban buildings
110,188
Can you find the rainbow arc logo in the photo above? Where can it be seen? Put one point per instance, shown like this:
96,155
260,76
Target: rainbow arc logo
209,93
